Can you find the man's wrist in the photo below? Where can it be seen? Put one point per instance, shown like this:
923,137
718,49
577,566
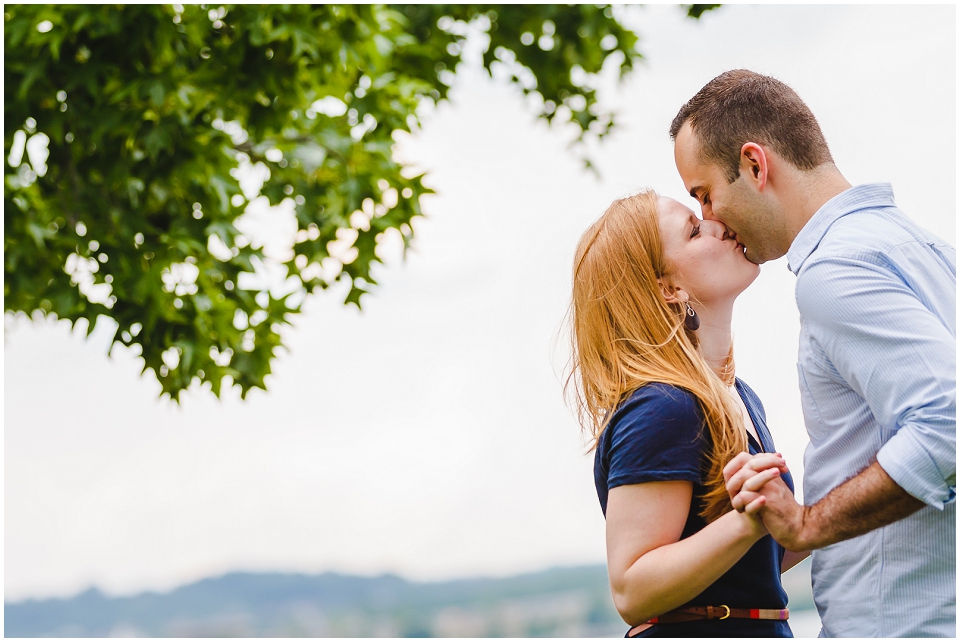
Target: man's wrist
805,532
801,532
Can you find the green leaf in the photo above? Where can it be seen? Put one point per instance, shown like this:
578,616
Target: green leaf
161,115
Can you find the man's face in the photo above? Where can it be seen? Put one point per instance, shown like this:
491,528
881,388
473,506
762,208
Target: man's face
738,205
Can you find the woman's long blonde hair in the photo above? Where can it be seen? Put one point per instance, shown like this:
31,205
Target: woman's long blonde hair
626,335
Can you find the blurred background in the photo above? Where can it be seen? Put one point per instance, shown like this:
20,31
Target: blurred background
412,468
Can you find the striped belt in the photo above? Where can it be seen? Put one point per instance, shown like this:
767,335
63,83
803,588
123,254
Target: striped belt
722,612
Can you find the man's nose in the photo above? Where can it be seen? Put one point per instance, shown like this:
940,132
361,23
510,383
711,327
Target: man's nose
715,228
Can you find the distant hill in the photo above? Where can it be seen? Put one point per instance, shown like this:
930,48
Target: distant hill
562,602
568,602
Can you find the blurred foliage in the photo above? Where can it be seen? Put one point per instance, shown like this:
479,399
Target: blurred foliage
697,10
139,120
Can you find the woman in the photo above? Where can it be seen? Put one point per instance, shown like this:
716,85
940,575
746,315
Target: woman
653,295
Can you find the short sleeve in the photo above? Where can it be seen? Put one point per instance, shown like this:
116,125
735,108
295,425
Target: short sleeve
656,435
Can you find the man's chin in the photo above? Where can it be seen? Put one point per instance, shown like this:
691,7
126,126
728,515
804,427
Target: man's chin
753,258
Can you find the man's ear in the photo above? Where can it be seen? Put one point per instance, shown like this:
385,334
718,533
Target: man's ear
754,164
672,294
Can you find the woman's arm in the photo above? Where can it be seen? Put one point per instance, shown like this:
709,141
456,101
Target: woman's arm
651,570
791,559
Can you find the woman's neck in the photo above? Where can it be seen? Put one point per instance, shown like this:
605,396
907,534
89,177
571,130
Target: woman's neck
715,335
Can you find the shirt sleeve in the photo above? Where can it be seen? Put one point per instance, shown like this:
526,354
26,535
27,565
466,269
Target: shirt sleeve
899,357
656,436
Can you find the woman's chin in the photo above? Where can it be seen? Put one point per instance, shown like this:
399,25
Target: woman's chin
748,280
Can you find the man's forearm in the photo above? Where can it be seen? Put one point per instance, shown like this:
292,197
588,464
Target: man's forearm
859,505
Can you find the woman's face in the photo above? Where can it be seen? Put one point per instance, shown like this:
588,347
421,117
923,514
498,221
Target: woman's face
700,256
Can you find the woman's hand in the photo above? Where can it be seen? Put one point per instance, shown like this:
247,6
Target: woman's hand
753,481
746,474
751,512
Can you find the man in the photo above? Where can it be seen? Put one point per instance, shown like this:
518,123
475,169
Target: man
877,361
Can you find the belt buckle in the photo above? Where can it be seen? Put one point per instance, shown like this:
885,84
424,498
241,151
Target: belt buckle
727,614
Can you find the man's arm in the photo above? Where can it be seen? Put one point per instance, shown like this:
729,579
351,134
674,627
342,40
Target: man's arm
900,358
892,351
859,505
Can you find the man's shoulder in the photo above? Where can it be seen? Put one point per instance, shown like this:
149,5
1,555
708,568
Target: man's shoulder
865,234
869,240
873,231
878,240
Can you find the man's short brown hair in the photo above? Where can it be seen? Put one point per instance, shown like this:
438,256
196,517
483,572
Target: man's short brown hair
742,106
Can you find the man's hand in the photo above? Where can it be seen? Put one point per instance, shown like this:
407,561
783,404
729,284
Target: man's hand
867,501
780,512
751,478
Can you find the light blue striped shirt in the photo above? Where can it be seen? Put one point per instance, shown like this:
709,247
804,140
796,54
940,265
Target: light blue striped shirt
877,368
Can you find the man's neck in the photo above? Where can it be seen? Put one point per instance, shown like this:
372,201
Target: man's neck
811,190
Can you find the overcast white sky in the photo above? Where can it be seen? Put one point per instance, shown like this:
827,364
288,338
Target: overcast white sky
427,435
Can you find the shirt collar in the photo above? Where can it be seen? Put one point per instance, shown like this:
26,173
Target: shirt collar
851,200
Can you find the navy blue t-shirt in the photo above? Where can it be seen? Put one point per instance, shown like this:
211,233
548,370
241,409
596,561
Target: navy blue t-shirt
659,434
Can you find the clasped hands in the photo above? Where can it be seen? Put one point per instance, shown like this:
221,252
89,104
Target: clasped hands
755,488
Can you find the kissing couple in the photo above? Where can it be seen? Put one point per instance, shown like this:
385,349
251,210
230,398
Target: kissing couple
701,518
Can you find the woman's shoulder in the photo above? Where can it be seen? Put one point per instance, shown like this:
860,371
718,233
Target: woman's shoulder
658,407
750,391
662,397
751,397
655,435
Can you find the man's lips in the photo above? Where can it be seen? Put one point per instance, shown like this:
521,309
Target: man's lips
733,237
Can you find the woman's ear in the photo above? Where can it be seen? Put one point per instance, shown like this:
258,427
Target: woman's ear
672,294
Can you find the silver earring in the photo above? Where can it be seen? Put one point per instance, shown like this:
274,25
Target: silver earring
690,320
